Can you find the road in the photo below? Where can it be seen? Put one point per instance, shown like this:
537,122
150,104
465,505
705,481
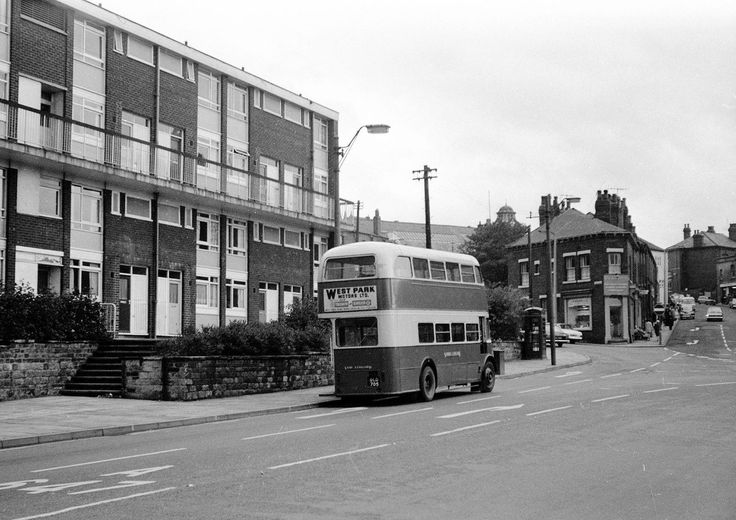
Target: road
641,433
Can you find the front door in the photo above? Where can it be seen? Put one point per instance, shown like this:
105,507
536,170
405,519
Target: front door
133,301
269,304
168,309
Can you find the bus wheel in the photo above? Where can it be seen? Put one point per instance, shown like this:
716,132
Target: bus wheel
487,377
427,384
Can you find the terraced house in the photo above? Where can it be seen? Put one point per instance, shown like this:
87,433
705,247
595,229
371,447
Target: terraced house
177,189
604,276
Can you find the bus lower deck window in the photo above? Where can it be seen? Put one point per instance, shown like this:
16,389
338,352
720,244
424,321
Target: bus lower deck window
357,332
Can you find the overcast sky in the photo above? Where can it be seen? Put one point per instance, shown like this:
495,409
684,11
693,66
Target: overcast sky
507,100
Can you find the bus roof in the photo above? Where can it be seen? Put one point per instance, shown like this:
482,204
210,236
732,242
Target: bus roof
391,250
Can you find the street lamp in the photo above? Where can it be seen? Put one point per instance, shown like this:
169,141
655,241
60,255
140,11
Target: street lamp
342,152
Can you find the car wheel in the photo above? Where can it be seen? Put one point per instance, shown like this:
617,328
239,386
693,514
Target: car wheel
427,384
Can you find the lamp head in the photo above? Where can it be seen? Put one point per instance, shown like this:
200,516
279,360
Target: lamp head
377,129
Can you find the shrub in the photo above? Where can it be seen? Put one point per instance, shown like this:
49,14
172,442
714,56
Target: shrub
505,308
298,331
47,316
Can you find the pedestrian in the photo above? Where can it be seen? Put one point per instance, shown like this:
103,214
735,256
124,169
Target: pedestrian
649,329
668,317
657,330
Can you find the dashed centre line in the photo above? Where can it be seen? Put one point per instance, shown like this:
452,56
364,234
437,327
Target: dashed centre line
610,398
549,410
535,389
331,456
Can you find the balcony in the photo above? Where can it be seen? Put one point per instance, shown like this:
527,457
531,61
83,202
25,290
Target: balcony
52,133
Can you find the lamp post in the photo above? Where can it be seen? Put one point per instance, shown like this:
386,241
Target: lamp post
342,153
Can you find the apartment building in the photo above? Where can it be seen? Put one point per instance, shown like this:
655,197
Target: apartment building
603,276
177,189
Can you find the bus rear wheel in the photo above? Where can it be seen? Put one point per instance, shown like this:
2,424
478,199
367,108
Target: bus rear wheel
427,384
487,377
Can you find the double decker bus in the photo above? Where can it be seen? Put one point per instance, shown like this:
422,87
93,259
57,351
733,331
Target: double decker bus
405,319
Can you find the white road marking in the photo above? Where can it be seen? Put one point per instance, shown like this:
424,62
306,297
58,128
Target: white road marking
336,412
655,364
661,390
611,375
610,398
480,410
693,342
121,484
479,399
285,432
402,413
719,384
135,473
325,457
108,460
571,373
456,430
578,381
637,370
549,410
93,504
535,389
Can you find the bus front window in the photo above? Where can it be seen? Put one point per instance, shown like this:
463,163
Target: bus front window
350,268
356,332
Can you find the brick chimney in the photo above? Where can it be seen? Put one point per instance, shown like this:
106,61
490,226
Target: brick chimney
612,209
711,229
732,232
686,231
698,239
377,224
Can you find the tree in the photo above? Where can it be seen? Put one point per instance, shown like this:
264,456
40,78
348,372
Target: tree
505,308
488,244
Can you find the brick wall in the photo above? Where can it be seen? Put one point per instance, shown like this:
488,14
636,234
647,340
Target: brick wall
193,378
39,369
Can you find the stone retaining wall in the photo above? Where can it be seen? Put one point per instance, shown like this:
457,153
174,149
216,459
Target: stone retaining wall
29,369
192,378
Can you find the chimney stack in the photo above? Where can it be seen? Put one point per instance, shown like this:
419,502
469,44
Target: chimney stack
732,232
698,239
711,229
377,224
686,231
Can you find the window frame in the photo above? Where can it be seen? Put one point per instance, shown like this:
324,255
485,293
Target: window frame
139,44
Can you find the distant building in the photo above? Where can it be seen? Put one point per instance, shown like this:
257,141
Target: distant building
444,237
604,276
506,214
694,262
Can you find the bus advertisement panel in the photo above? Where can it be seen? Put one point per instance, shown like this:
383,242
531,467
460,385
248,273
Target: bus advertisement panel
405,319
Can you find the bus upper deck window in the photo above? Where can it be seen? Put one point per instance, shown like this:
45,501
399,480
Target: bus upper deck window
349,268
421,267
438,270
478,275
402,267
467,273
453,272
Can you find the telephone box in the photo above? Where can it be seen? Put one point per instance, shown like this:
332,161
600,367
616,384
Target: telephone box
533,324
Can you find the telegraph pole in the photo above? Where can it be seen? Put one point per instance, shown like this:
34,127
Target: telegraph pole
357,221
551,300
425,176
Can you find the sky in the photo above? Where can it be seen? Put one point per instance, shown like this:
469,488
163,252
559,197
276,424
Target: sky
508,101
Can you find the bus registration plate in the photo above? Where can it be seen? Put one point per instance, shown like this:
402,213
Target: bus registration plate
373,380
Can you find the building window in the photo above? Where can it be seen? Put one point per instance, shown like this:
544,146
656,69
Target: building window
584,261
169,62
524,273
140,50
614,263
292,294
236,238
89,43
169,158
236,292
49,204
536,268
570,269
168,214
577,313
86,209
208,232
208,90
86,278
272,104
271,235
117,41
208,291
137,208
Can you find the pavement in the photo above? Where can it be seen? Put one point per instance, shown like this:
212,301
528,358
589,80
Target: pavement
26,422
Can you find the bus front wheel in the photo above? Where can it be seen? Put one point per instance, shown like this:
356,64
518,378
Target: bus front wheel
427,384
487,377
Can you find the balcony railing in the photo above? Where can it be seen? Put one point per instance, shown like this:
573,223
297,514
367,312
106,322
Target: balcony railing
50,132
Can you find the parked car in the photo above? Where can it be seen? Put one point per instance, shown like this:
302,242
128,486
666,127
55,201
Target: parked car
706,300
561,336
714,314
733,303
572,334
